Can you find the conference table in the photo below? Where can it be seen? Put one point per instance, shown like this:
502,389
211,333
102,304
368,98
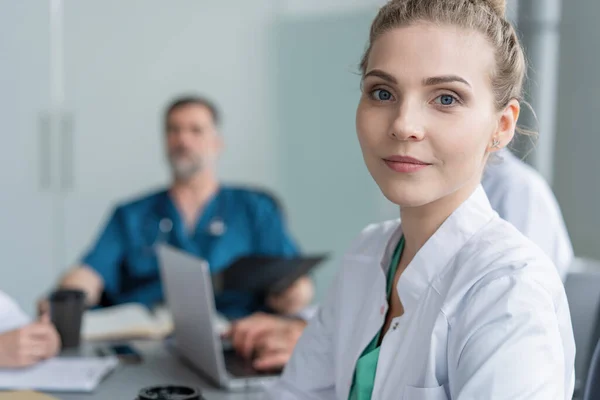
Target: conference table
160,365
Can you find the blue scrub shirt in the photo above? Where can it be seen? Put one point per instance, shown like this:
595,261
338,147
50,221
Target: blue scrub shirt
124,254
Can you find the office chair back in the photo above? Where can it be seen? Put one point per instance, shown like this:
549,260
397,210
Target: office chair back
592,383
583,292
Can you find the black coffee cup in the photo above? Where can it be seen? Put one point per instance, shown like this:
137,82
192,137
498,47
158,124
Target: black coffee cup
66,312
170,392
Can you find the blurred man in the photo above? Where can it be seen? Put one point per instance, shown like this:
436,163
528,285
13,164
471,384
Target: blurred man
516,191
197,214
24,343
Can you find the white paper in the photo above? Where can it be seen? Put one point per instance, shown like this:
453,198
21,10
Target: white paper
222,324
59,375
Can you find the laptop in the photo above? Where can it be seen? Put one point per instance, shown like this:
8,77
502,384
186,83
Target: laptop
189,294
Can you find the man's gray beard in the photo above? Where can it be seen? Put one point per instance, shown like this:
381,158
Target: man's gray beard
185,170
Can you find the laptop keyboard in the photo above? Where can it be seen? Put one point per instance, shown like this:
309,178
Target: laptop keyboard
241,368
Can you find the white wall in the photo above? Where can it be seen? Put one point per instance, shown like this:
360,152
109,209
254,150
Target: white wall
126,59
300,8
577,180
26,209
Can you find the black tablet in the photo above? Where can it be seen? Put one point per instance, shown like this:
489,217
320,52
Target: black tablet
269,275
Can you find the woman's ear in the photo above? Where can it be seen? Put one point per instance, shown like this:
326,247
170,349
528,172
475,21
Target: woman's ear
507,124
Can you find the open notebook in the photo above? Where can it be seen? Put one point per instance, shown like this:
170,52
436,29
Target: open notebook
59,375
133,321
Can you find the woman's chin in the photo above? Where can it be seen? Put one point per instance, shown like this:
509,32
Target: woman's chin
405,198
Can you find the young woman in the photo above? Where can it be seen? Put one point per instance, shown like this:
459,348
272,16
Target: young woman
452,302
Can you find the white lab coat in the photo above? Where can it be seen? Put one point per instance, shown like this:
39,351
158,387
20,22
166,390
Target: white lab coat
485,317
11,315
521,196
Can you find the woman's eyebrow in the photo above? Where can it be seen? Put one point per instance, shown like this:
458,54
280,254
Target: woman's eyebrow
437,80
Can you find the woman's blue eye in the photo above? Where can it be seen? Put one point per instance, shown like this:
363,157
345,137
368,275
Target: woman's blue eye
382,95
445,100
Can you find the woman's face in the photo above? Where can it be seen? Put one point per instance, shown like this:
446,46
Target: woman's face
426,118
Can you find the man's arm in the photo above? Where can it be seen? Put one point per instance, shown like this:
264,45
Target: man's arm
294,299
99,269
272,238
87,279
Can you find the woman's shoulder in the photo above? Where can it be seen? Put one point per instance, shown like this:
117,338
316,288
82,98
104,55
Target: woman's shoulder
373,239
498,254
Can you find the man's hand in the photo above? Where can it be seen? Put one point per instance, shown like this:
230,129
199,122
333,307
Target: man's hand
294,299
28,345
274,349
269,339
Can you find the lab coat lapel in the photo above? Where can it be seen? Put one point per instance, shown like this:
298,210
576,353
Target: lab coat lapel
371,300
436,254
424,270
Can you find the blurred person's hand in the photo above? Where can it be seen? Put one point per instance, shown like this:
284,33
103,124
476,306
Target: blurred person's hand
293,299
273,350
30,344
43,307
268,339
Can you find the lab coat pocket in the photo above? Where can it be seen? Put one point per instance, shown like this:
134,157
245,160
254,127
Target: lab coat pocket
415,393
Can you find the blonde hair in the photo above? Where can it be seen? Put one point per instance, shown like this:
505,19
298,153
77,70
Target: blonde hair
484,16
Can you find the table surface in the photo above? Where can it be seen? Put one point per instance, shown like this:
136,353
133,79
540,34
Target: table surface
160,366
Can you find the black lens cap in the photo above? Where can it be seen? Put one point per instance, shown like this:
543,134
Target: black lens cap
170,392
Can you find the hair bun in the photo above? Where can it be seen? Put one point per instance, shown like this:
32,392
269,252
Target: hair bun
499,6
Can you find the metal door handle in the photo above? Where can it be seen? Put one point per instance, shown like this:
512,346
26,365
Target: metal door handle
67,178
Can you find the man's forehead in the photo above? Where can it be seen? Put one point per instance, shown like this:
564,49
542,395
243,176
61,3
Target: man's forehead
191,112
